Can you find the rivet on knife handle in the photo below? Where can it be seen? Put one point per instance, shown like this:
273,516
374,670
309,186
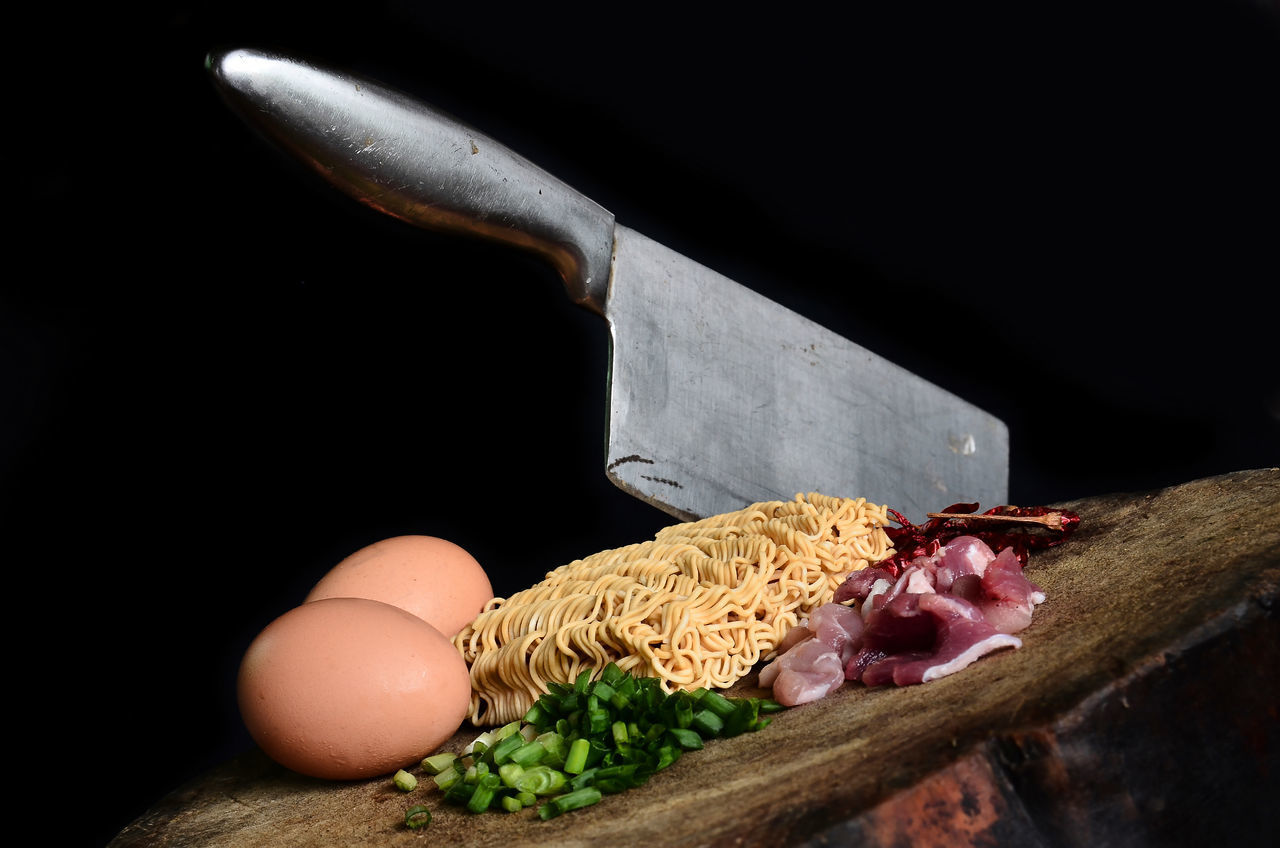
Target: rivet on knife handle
419,164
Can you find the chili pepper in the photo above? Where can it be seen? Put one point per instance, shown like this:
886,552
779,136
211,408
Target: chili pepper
1021,528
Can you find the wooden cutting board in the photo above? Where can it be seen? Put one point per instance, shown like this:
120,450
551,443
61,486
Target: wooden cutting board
1142,709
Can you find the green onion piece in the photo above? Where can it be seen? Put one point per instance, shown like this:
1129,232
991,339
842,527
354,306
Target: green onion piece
620,734
537,714
484,794
611,674
582,681
742,719
528,754
571,801
707,723
585,779
460,792
510,773
511,804
417,816
576,760
540,780
437,763
447,778
667,755
526,799
717,703
506,730
475,771
683,712
602,691
554,746
687,739
404,781
597,722
503,750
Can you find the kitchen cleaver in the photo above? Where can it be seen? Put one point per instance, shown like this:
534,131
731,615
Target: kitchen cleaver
717,396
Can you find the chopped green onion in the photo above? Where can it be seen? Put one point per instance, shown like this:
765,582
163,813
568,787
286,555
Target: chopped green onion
510,773
576,761
581,741
611,674
404,781
685,738
717,703
437,763
506,730
503,750
460,792
707,723
572,801
540,780
448,777
483,741
417,816
475,771
536,714
485,791
528,753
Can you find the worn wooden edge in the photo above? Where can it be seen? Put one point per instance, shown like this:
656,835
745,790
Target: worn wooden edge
856,779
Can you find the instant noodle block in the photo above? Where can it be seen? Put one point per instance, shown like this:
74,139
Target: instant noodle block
698,605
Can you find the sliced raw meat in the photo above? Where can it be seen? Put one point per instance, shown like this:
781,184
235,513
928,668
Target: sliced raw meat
960,636
807,672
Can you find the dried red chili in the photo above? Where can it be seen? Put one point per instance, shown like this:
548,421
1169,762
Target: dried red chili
1021,528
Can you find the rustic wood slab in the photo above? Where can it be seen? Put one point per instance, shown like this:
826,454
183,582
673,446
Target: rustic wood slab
1142,709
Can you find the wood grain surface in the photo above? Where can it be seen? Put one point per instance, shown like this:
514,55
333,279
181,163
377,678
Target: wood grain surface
1141,710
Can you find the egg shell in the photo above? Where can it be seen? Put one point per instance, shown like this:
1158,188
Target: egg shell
348,688
433,578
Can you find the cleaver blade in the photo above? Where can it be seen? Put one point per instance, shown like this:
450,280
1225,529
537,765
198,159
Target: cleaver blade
717,396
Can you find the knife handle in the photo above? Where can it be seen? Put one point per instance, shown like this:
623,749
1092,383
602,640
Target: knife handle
415,163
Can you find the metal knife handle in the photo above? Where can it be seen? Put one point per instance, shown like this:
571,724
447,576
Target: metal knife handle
417,164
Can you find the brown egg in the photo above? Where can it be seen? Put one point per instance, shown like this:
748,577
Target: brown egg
432,578
347,688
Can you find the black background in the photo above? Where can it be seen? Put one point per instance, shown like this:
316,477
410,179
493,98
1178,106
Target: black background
220,377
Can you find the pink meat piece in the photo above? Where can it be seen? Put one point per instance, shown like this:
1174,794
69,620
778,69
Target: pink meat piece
1008,598
807,668
807,672
917,580
962,555
894,627
939,615
960,637
794,637
838,627
858,585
